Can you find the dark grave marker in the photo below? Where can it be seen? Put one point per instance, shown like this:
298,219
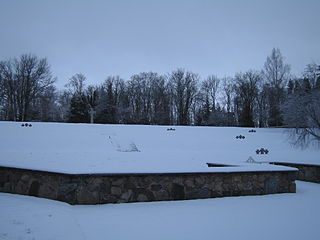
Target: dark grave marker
262,151
240,137
26,125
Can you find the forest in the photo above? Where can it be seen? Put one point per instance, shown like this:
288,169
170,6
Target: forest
269,97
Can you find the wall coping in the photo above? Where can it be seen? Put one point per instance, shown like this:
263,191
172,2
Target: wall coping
296,164
288,169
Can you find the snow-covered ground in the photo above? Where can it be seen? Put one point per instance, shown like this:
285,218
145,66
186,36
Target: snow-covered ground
97,148
85,148
278,216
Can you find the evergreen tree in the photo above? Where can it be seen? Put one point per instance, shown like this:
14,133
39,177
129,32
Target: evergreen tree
78,109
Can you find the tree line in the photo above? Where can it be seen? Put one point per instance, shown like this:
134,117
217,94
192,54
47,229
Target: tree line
265,98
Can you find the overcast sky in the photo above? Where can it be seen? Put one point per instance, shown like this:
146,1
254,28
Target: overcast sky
102,38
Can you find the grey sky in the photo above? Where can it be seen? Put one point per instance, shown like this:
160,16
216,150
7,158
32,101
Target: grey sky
101,38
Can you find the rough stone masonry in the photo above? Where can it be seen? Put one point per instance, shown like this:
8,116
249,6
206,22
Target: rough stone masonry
124,188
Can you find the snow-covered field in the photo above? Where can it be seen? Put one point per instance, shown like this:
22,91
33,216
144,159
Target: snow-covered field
85,148
279,216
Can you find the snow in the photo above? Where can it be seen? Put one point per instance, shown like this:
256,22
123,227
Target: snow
278,216
85,148
98,148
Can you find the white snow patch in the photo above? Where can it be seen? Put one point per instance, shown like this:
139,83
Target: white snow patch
98,148
278,216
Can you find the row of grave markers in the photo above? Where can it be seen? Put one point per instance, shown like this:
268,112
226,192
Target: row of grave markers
26,125
258,151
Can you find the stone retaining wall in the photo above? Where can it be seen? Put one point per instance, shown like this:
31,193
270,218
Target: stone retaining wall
120,188
307,172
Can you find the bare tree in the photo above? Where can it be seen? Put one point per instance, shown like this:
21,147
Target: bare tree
76,83
79,108
312,73
227,93
139,90
112,103
63,105
276,73
263,107
160,108
207,100
8,89
45,107
91,95
302,112
149,98
209,87
246,88
184,87
23,80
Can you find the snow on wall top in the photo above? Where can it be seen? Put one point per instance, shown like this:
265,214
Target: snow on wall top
85,148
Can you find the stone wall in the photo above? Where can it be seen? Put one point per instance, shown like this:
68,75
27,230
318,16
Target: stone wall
307,172
120,188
